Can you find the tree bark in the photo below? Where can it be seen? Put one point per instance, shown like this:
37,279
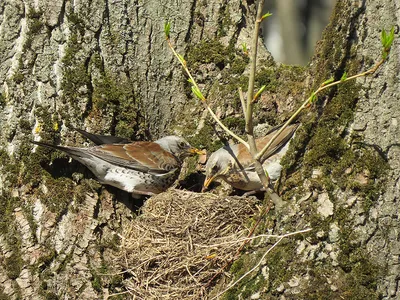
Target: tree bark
104,66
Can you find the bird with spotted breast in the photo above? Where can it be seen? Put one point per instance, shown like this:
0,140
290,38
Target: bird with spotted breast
140,168
234,163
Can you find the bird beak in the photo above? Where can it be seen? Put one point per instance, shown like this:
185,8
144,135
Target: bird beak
207,182
196,151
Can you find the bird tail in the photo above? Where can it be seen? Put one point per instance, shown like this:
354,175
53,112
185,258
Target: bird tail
71,151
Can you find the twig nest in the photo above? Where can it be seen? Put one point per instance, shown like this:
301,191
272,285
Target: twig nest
180,241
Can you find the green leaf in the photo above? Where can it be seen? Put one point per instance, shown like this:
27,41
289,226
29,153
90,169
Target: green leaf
313,98
344,76
268,14
387,41
198,94
190,81
244,48
383,37
330,80
390,38
181,59
167,29
259,92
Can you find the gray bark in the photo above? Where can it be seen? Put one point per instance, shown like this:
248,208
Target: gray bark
104,66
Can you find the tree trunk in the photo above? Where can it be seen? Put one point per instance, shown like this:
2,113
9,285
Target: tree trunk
104,66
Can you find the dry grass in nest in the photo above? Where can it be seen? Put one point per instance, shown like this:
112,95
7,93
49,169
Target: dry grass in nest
180,241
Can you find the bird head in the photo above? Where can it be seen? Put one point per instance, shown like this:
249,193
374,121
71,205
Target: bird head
218,165
178,146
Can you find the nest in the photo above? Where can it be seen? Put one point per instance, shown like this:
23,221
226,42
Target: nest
180,241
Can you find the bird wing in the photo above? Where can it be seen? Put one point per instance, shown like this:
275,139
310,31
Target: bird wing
245,157
140,156
99,139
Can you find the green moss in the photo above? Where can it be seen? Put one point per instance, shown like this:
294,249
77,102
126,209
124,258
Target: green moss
361,274
96,282
7,206
326,147
267,77
224,21
239,64
214,51
361,170
35,24
2,100
25,125
117,96
75,75
76,22
51,296
13,265
209,52
202,139
18,77
59,194
253,283
237,123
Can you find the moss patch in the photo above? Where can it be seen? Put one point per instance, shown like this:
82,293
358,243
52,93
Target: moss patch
116,96
203,140
13,264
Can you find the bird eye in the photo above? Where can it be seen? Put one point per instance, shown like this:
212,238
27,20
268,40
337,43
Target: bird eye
182,145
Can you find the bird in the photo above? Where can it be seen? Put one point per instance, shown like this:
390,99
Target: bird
140,168
234,164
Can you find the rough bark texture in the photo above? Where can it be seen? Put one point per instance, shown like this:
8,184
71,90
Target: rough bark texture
104,66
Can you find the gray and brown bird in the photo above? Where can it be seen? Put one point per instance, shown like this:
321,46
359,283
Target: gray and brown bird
234,163
140,168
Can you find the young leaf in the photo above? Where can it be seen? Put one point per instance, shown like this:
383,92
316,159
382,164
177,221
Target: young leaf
312,98
390,38
344,76
259,92
268,14
383,37
167,29
330,80
244,48
181,59
198,94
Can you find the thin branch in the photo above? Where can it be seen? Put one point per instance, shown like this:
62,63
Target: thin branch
204,101
261,172
247,239
242,101
309,100
250,271
259,262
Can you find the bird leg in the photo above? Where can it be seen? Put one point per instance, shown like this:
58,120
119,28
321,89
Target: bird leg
251,193
278,202
138,194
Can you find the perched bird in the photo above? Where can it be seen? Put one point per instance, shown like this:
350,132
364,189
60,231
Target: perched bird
141,168
235,166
